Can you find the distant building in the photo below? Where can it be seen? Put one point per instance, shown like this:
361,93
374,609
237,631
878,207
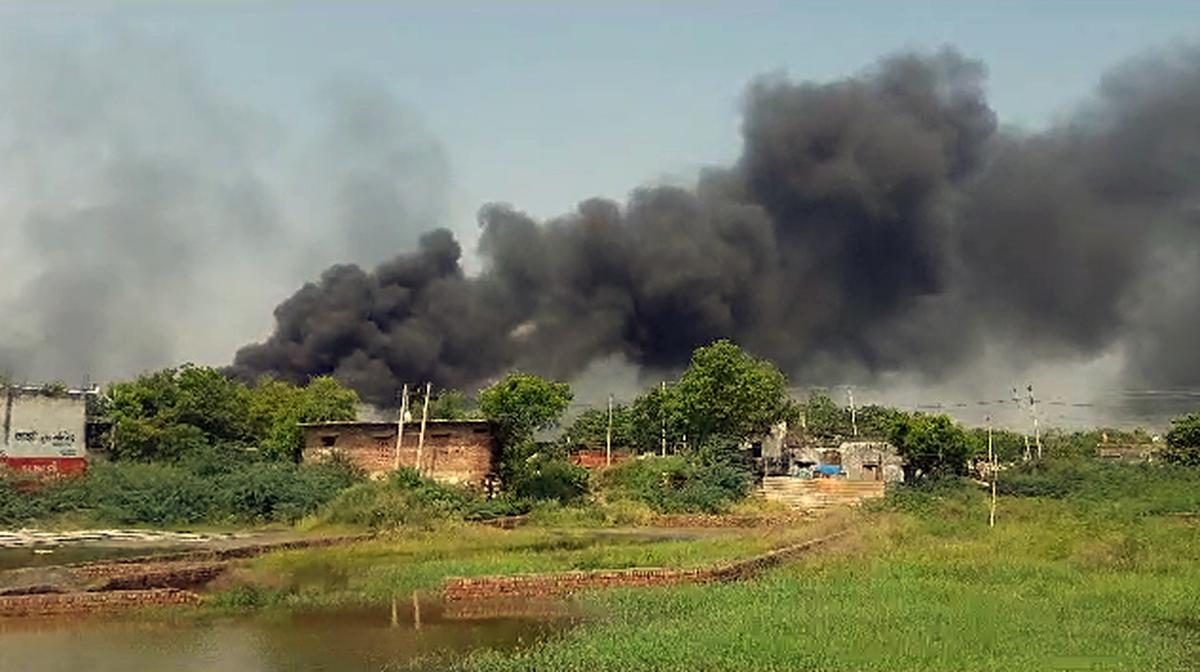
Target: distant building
787,453
44,429
463,452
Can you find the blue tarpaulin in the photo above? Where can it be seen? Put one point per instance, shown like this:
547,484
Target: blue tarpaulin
830,470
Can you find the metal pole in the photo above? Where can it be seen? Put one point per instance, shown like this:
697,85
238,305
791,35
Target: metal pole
1037,436
853,414
400,427
1017,400
421,438
608,436
992,460
662,416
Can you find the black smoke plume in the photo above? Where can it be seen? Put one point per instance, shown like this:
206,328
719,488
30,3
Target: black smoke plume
881,223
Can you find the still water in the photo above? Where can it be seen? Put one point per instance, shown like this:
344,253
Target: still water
15,558
396,637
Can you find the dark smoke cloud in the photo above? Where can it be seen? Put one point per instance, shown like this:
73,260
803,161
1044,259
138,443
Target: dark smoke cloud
877,224
143,207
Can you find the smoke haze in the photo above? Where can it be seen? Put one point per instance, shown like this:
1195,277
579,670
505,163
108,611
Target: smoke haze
882,225
885,230
151,219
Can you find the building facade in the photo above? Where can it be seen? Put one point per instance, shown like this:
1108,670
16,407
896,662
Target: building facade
787,453
44,430
463,452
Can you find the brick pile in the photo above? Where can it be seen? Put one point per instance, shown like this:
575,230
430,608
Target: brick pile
127,583
49,604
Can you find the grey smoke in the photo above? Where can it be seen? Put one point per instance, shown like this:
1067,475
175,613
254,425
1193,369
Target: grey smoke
879,224
148,217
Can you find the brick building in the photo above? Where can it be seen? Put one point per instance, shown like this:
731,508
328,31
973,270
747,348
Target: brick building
455,451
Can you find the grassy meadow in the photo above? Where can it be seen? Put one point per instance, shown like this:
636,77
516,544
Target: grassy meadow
409,560
1064,582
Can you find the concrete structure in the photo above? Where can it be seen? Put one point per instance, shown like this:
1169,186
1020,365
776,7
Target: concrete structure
464,452
792,454
43,429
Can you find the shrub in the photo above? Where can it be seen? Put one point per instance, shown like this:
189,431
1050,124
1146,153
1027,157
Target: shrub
130,493
551,478
403,498
678,484
1140,488
1183,441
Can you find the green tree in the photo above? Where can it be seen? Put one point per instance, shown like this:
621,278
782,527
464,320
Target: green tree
278,408
823,417
932,445
726,394
1183,441
656,411
591,427
876,422
175,413
520,405
167,414
450,405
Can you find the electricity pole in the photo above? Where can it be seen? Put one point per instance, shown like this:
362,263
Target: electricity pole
662,416
1017,400
853,413
992,460
400,427
424,419
608,436
1037,437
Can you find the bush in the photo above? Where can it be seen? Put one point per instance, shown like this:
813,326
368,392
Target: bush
678,484
1183,441
550,479
403,498
125,493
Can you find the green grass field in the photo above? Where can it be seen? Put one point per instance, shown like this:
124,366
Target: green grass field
1059,584
375,572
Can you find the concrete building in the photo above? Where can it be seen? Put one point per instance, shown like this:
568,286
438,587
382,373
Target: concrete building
787,453
463,452
43,429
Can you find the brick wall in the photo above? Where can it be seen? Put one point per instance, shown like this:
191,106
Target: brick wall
566,583
596,458
76,603
454,452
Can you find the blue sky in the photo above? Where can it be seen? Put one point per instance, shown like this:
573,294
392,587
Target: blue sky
544,104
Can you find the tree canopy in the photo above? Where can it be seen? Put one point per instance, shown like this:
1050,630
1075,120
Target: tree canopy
728,394
932,445
171,413
521,404
1183,441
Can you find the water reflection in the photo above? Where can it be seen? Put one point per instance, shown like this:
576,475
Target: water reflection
390,637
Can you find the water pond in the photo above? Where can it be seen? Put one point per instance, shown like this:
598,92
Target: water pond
425,636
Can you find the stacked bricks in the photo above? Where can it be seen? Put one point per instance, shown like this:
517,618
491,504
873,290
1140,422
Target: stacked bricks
76,603
567,583
148,581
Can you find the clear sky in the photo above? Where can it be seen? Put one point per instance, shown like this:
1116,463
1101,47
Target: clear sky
543,104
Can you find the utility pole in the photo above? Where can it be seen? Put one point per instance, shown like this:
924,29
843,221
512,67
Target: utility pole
1037,437
662,416
992,460
421,438
608,436
400,427
1017,400
853,413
